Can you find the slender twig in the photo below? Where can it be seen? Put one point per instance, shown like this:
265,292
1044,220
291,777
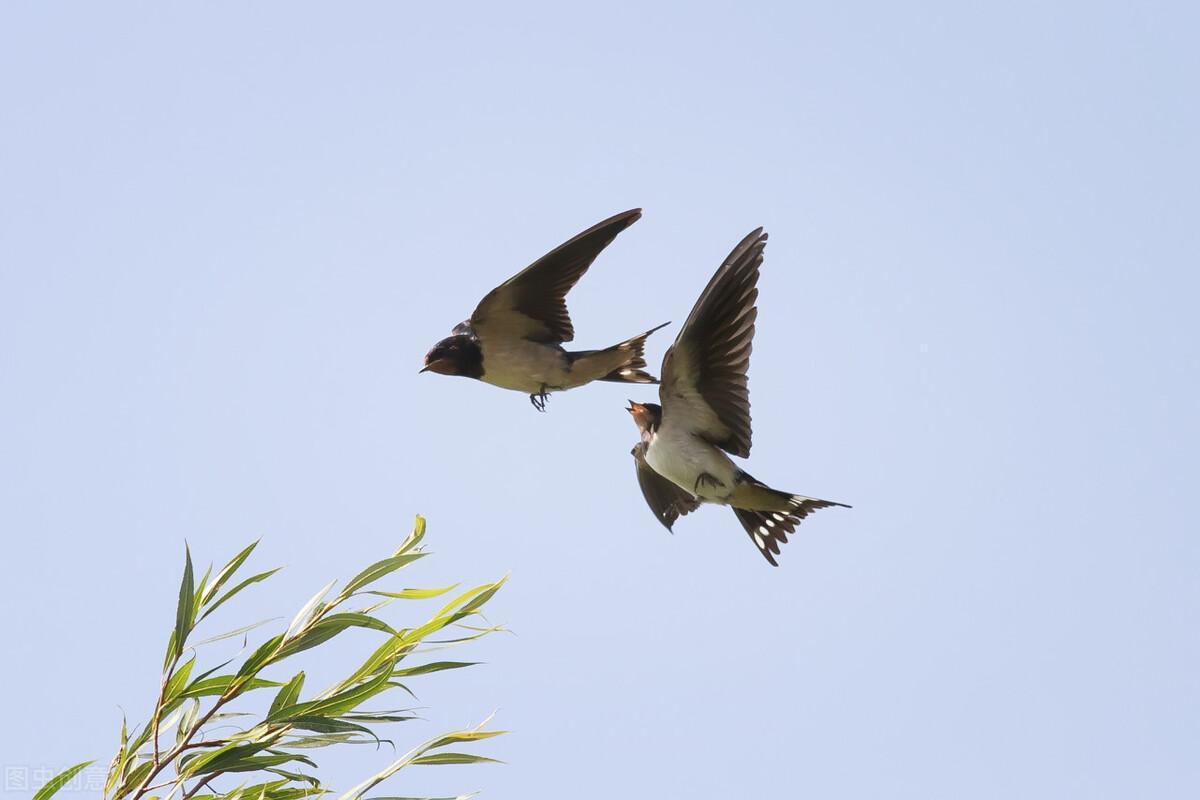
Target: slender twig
233,690
179,746
199,786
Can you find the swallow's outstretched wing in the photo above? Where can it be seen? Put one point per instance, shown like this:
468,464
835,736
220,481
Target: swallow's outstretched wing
668,501
532,304
704,373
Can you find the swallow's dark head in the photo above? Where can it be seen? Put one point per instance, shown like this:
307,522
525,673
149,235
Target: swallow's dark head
456,355
647,416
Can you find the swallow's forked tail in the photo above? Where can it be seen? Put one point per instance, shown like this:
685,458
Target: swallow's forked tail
773,514
622,363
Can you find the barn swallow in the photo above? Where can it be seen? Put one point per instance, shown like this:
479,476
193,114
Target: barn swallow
514,338
683,456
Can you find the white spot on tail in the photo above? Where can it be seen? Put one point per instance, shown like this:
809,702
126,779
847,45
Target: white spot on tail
758,540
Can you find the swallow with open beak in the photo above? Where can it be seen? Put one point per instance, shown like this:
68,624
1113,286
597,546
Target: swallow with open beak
514,339
683,457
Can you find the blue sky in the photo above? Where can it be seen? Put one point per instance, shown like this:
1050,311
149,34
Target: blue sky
228,235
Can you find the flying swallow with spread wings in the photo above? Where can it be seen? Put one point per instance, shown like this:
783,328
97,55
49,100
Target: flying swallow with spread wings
683,456
514,339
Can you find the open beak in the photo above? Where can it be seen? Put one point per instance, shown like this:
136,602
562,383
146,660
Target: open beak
634,407
442,366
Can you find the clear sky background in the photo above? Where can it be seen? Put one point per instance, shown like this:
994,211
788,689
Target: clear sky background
229,233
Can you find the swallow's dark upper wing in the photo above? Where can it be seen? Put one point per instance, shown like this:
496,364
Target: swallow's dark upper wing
704,372
531,304
666,500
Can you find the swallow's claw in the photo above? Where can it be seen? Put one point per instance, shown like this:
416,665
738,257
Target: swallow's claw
539,399
704,479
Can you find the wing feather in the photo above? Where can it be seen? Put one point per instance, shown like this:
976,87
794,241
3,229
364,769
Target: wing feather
532,304
668,501
704,373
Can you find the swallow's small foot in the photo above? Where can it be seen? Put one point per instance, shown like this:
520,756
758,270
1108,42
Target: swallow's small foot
704,479
539,399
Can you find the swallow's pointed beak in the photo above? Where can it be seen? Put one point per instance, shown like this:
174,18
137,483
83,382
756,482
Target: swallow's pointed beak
442,366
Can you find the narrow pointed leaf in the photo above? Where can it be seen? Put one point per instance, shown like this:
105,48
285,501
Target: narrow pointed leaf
201,586
413,539
434,666
237,632
453,758
178,680
260,657
133,779
378,570
262,576
185,722
464,736
51,787
331,725
303,615
219,684
185,612
416,594
228,571
289,695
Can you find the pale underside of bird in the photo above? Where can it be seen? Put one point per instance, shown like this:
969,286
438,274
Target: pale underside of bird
683,458
514,338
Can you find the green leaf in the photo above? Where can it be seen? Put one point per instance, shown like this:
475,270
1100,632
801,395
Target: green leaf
470,600
218,685
453,758
389,652
309,610
331,626
133,779
330,725
376,716
412,756
170,656
298,777
479,633
316,635
416,594
185,612
178,680
143,736
227,572
262,576
214,760
338,703
357,619
260,657
464,736
255,763
435,666
236,632
201,586
484,596
325,740
378,570
185,722
289,695
60,780
117,767
414,538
